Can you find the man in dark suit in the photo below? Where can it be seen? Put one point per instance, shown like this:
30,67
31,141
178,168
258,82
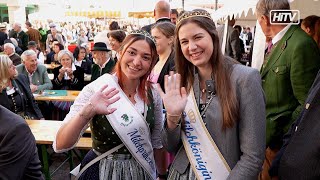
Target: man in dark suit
10,50
233,48
21,37
3,34
299,156
18,151
249,36
287,74
174,16
161,13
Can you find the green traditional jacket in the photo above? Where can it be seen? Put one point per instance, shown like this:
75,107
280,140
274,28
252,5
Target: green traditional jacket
95,73
287,77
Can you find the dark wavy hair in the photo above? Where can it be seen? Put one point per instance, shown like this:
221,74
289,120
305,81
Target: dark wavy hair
114,26
76,52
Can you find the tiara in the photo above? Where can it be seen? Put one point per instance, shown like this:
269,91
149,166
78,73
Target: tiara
190,14
143,33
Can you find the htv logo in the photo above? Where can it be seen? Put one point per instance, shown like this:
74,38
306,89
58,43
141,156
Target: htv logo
284,16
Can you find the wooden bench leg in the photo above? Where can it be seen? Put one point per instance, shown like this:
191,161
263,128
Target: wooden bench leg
71,163
45,162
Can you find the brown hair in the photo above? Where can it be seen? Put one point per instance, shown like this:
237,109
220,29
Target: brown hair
221,68
144,83
310,22
313,23
166,28
118,35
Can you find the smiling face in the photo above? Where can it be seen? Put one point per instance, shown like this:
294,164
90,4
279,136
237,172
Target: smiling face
56,49
136,60
100,57
115,45
31,63
66,61
196,45
7,50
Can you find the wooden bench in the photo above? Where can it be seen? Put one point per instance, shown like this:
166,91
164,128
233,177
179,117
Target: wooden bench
44,132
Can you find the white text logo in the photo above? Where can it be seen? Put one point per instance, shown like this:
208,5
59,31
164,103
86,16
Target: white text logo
284,17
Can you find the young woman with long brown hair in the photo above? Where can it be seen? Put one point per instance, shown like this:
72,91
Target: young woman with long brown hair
215,120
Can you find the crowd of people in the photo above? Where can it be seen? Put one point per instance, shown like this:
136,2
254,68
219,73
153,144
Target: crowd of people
167,101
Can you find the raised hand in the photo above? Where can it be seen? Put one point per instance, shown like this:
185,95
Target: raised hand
175,98
102,99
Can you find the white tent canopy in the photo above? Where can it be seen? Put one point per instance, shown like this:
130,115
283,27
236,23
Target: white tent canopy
244,10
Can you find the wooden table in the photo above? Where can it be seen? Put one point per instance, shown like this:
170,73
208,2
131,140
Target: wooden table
50,126
44,132
71,96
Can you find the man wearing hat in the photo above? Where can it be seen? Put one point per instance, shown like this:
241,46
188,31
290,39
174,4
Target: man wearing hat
3,34
32,45
103,62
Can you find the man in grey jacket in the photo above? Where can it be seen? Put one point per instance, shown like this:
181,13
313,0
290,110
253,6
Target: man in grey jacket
38,76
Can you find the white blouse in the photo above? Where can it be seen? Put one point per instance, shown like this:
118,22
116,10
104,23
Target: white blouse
88,91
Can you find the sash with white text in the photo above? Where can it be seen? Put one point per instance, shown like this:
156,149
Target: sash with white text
205,158
130,126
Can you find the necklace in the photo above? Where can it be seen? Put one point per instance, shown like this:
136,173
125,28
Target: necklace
207,104
130,94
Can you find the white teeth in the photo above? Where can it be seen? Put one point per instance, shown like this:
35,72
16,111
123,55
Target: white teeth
196,54
134,69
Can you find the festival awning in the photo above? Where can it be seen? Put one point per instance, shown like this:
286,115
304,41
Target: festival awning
95,14
147,14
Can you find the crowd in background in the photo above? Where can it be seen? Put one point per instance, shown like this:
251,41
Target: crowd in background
253,117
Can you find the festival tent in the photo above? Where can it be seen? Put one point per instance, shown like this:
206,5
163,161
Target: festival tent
243,11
